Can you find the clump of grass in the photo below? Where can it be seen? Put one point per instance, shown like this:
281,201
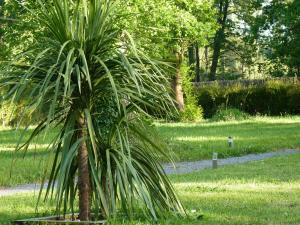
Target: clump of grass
229,114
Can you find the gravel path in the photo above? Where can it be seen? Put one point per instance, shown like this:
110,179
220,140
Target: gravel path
20,189
180,168
188,167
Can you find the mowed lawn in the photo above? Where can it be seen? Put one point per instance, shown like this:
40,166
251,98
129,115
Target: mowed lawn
195,141
23,167
188,141
261,193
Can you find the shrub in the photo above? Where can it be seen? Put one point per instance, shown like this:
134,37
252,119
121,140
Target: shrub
192,111
229,114
293,99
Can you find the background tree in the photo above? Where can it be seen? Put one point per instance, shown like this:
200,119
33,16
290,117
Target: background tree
167,28
17,34
16,28
280,36
234,39
223,6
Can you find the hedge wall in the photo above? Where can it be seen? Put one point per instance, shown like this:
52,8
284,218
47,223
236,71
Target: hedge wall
272,98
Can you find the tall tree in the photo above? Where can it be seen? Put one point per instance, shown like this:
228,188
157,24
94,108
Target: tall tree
96,83
223,6
235,38
280,34
172,26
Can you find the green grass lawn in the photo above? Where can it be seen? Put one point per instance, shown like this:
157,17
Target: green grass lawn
260,193
192,141
195,141
17,168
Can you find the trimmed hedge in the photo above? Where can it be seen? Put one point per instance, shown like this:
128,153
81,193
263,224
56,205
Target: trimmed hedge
273,98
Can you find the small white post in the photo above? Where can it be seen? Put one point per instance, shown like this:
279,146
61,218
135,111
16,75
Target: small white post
215,160
230,142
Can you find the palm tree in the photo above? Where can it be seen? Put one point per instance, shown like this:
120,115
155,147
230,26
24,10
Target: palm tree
97,87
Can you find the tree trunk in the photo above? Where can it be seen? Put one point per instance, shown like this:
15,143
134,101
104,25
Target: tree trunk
198,77
223,67
216,55
219,37
191,53
84,183
178,83
206,60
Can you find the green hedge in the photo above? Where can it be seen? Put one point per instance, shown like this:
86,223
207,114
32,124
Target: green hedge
272,98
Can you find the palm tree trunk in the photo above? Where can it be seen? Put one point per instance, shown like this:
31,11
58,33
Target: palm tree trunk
84,184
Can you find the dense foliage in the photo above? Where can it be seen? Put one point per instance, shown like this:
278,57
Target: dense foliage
163,29
271,98
192,111
280,36
227,39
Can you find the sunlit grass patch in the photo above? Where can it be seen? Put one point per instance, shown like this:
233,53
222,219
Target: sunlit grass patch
23,206
12,147
262,192
16,167
196,141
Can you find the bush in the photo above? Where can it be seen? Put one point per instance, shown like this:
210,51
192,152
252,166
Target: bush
229,114
192,111
293,100
272,98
